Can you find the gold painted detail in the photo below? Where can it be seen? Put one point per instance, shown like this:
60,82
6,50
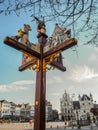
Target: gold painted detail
36,66
48,60
36,103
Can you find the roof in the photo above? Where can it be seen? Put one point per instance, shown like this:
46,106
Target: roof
12,103
48,103
56,30
4,101
85,97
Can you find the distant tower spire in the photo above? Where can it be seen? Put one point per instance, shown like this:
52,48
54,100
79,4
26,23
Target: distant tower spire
91,97
79,97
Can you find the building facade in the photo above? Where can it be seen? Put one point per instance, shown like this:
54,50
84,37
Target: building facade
21,112
66,107
5,108
49,112
32,111
86,103
76,110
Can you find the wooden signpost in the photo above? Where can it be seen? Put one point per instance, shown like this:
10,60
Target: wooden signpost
40,60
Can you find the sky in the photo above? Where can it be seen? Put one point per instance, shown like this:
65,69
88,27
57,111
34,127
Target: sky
80,61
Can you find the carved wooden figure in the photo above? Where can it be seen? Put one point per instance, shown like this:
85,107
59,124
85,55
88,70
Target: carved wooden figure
19,35
25,37
41,26
25,40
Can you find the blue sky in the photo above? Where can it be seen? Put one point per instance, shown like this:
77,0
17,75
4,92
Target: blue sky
81,76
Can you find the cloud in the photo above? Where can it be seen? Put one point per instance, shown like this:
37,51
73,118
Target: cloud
9,88
54,79
82,73
24,82
3,88
16,86
96,49
55,94
92,58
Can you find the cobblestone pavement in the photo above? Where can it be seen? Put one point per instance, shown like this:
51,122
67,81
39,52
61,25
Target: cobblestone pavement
85,128
55,126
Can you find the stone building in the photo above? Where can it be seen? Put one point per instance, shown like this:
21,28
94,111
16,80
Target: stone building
22,112
55,115
5,108
86,103
32,111
66,106
17,110
12,108
49,113
76,110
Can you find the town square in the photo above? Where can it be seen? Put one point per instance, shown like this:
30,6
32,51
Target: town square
48,64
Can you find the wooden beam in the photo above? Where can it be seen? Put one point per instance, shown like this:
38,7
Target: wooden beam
21,47
63,46
30,63
27,65
58,66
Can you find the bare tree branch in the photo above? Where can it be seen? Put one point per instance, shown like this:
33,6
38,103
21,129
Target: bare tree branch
79,15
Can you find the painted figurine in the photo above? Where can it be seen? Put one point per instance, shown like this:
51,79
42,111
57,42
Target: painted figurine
25,37
19,35
41,26
25,41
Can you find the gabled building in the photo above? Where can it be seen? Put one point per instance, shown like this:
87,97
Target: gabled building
32,111
17,110
5,108
49,114
76,110
55,115
22,110
60,35
80,109
66,105
12,109
86,103
27,108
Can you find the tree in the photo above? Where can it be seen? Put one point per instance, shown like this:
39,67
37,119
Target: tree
79,15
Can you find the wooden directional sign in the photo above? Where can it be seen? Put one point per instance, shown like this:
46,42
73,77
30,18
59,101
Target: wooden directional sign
39,60
54,64
20,47
63,46
26,49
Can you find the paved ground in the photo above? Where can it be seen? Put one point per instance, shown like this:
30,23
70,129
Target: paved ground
55,126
